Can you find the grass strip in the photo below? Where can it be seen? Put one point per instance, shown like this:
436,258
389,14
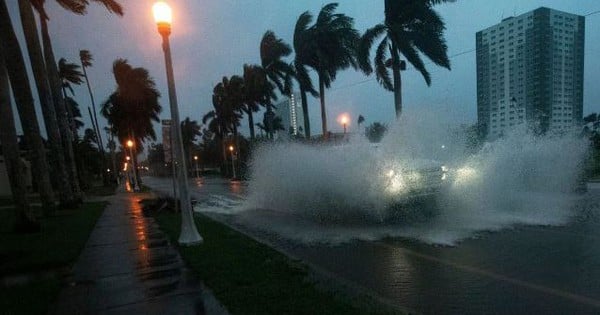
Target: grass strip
251,278
56,246
59,242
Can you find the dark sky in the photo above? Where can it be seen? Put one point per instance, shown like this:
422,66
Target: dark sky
211,39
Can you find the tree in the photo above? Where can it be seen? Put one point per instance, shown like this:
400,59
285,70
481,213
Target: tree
78,7
59,165
228,101
132,108
375,132
302,58
20,85
410,28
24,219
332,40
190,130
69,74
257,91
360,120
86,61
278,72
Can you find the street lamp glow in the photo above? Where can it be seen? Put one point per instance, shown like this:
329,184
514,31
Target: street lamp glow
129,143
127,158
231,148
344,120
162,13
196,157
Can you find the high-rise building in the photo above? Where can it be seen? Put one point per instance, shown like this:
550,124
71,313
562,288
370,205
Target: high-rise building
292,119
530,70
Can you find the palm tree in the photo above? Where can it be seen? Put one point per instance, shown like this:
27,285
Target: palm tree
332,40
20,84
278,72
189,131
228,100
216,127
25,220
132,108
59,167
302,57
257,91
86,61
410,28
77,7
69,74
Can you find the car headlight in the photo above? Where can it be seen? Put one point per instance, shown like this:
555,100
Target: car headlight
465,174
444,168
395,182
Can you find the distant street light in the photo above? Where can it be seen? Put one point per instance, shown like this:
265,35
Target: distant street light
232,161
136,186
196,160
344,119
189,233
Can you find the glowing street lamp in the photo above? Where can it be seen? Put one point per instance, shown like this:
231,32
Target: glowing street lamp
196,160
136,186
344,119
189,233
232,161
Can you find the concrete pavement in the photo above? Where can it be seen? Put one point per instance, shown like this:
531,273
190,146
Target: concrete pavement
129,267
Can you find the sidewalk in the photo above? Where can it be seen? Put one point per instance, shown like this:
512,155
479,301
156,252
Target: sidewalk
129,267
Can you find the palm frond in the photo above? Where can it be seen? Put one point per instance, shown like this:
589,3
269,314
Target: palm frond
112,6
415,59
381,70
364,47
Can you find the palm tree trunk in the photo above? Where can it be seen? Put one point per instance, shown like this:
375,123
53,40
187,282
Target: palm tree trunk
323,112
41,79
251,124
25,220
397,80
94,118
305,113
62,113
25,105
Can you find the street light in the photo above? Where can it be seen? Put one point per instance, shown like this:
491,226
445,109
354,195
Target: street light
344,119
189,233
232,161
196,160
136,186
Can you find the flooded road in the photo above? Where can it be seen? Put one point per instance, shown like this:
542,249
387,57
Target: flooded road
523,269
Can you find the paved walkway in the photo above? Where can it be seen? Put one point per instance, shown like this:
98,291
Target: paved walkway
129,267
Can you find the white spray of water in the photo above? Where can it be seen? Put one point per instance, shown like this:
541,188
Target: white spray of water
332,194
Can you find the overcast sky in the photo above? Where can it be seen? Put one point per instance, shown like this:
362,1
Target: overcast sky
211,39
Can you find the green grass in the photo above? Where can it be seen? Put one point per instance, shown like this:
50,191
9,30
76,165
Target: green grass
251,278
56,246
32,298
59,243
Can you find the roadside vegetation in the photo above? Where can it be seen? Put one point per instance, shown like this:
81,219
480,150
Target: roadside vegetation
251,278
31,265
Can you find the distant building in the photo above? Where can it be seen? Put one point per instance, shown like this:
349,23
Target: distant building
292,119
530,70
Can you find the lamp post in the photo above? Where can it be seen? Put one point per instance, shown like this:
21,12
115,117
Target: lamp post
196,160
232,162
189,233
344,119
136,186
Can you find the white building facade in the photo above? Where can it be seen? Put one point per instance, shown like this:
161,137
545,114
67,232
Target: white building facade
292,119
530,70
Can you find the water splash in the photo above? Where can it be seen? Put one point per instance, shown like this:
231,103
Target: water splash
332,194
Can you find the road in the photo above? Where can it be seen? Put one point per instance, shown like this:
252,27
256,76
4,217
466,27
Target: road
523,269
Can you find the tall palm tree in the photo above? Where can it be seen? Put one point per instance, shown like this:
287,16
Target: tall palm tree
20,84
69,74
410,28
332,40
133,107
278,72
302,58
59,167
216,127
77,7
25,220
257,91
189,131
86,61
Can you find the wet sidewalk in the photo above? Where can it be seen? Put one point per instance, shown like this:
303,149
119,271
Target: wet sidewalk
129,267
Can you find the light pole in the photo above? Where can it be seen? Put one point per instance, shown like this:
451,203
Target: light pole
136,186
232,162
196,160
189,233
344,119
